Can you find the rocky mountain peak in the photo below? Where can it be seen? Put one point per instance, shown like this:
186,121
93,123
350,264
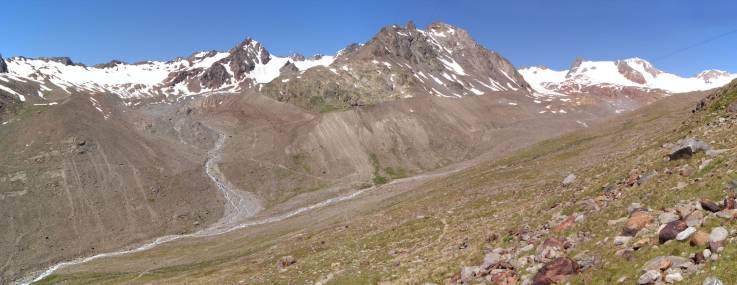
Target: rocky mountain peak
244,57
3,65
576,63
296,57
110,64
711,74
60,59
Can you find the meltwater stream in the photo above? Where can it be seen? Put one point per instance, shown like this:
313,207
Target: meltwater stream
238,205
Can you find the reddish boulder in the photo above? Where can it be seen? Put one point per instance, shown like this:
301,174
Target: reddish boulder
507,277
564,225
555,271
700,238
637,221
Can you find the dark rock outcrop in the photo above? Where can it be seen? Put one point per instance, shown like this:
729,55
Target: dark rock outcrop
3,65
244,57
60,59
214,77
110,64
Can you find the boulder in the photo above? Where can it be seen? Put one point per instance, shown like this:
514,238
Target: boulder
555,271
685,234
565,224
622,240
649,277
671,230
285,261
727,214
551,249
685,148
711,280
695,219
661,263
718,234
700,238
699,258
709,205
506,277
569,179
673,277
584,261
468,273
668,217
637,221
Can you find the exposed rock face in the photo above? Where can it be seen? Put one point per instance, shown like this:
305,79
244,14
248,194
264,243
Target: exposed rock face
60,59
110,64
630,73
709,75
3,65
243,58
401,62
289,68
215,76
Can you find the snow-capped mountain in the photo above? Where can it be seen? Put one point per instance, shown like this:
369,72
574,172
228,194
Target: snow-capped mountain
241,67
398,62
634,74
402,62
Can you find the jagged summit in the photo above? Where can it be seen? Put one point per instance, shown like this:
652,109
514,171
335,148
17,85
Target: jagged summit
400,62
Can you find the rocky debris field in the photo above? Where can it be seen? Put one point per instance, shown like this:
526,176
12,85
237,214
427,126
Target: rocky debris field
697,229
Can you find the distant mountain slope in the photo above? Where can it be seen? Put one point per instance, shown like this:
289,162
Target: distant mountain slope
585,76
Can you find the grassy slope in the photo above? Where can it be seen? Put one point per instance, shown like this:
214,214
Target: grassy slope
415,237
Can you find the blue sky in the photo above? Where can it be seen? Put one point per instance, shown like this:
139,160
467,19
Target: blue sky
683,37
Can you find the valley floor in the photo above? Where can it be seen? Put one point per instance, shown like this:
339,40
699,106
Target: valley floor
426,229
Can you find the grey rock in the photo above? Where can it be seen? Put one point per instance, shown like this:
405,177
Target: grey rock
695,219
657,262
491,259
668,217
632,207
673,277
569,179
715,152
584,261
718,234
649,277
686,148
685,234
711,280
469,272
706,253
622,240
